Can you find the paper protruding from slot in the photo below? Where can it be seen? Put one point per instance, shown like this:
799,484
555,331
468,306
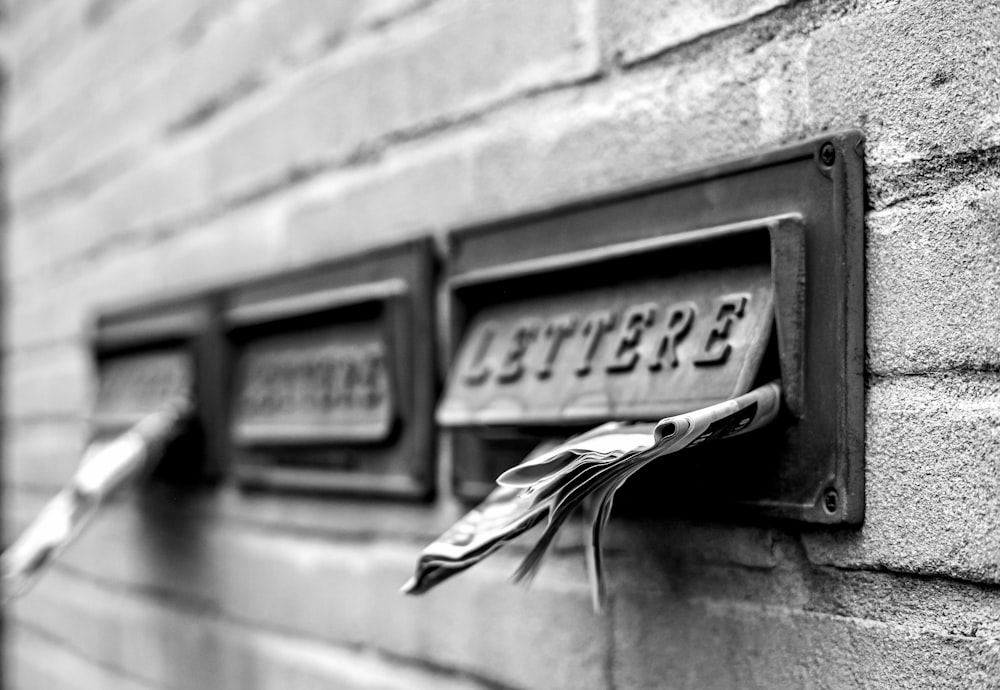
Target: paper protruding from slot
104,468
553,481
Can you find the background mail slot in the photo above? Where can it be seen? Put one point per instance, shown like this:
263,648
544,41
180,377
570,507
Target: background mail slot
150,355
658,300
333,381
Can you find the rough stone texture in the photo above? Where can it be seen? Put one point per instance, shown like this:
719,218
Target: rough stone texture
258,577
47,381
406,76
943,311
933,480
920,78
39,661
164,643
637,30
702,643
155,147
42,452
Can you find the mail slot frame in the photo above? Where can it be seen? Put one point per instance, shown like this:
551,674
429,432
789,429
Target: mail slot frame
390,287
819,181
189,324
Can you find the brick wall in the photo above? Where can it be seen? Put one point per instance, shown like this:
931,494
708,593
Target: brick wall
155,146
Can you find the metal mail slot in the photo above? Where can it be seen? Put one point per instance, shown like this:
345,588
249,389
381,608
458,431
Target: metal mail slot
664,299
334,378
150,355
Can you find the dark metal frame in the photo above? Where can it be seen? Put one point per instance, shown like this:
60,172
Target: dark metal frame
399,282
811,195
190,325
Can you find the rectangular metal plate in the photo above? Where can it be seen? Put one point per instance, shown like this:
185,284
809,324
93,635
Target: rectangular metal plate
636,349
658,243
323,385
334,376
150,354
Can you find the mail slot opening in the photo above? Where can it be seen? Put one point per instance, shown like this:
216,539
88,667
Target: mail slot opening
159,356
631,333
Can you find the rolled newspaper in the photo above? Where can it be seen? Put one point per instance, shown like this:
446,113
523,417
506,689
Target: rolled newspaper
549,485
104,468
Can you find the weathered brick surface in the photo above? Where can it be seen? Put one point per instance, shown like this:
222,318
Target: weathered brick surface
47,381
113,53
636,29
41,34
42,452
919,77
933,480
545,635
940,606
35,660
480,624
404,77
173,644
943,311
215,54
562,148
700,644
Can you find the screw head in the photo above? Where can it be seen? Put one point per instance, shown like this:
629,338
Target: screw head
827,154
830,501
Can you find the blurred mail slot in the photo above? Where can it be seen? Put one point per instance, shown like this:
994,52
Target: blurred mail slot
332,366
659,300
131,386
149,356
324,385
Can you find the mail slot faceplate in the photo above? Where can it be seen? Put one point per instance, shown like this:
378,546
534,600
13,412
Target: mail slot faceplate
530,274
333,376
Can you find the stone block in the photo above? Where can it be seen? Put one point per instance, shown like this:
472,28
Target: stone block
47,381
111,54
919,78
42,452
932,478
660,642
409,191
933,277
35,660
480,623
941,606
446,64
176,643
611,136
441,65
635,30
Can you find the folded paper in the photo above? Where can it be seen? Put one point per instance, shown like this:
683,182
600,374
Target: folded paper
105,467
551,484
